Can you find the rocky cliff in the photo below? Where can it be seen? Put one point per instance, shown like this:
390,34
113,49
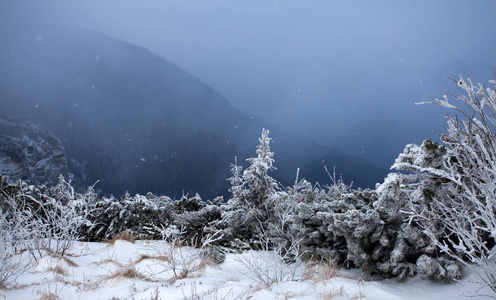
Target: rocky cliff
30,153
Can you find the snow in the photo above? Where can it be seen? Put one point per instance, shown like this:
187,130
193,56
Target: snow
91,271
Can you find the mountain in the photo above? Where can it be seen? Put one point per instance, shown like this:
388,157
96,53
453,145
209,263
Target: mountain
30,153
135,122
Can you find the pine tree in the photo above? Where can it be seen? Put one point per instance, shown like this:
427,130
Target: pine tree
247,213
236,179
257,185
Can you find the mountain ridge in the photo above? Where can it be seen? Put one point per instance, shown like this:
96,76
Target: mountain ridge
136,122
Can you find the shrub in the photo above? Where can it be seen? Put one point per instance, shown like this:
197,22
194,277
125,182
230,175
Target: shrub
455,202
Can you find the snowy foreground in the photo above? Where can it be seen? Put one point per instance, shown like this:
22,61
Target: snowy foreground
155,270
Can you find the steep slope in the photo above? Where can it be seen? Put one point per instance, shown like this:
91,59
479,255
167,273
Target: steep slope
137,122
30,153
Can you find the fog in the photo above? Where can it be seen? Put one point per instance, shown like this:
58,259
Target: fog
346,74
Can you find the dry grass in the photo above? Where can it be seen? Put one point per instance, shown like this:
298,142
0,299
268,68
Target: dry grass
143,257
128,271
107,261
256,288
123,236
19,286
112,259
332,294
184,262
69,261
48,296
195,269
320,271
290,295
361,291
205,262
57,269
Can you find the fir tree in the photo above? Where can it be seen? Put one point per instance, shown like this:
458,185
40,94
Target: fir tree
247,213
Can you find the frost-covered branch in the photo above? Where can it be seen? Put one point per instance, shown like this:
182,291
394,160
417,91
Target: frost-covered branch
460,217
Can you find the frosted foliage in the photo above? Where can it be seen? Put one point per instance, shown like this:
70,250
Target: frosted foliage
415,158
410,224
146,216
37,220
197,220
460,216
395,197
286,228
48,219
246,215
438,268
65,214
12,236
392,194
340,224
236,180
257,184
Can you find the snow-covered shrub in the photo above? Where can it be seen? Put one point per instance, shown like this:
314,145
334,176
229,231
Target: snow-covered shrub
406,246
268,267
11,237
65,214
460,215
355,228
139,215
356,231
293,225
51,218
145,216
20,229
272,262
157,213
197,218
103,214
184,258
352,228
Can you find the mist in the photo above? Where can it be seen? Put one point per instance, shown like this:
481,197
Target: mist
344,74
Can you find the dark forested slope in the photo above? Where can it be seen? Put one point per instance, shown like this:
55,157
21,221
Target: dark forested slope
139,123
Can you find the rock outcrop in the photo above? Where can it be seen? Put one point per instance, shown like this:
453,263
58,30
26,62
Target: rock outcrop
30,153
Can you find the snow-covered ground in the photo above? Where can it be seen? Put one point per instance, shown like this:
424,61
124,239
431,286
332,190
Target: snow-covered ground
155,270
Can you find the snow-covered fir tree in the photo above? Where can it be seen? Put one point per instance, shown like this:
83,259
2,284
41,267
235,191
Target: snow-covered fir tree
412,251
247,213
257,185
236,179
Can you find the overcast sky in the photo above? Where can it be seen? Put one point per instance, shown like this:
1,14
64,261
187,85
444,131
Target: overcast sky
345,73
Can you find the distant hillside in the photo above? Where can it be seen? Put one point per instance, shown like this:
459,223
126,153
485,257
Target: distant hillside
138,123
30,153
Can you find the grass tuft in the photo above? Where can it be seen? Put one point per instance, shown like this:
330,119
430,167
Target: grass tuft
49,296
123,236
333,294
143,257
69,261
57,269
320,271
128,271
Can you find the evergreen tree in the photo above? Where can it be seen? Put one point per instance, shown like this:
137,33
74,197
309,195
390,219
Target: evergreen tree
257,185
236,180
247,213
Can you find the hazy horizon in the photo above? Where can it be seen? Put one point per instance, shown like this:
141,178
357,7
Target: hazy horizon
343,73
